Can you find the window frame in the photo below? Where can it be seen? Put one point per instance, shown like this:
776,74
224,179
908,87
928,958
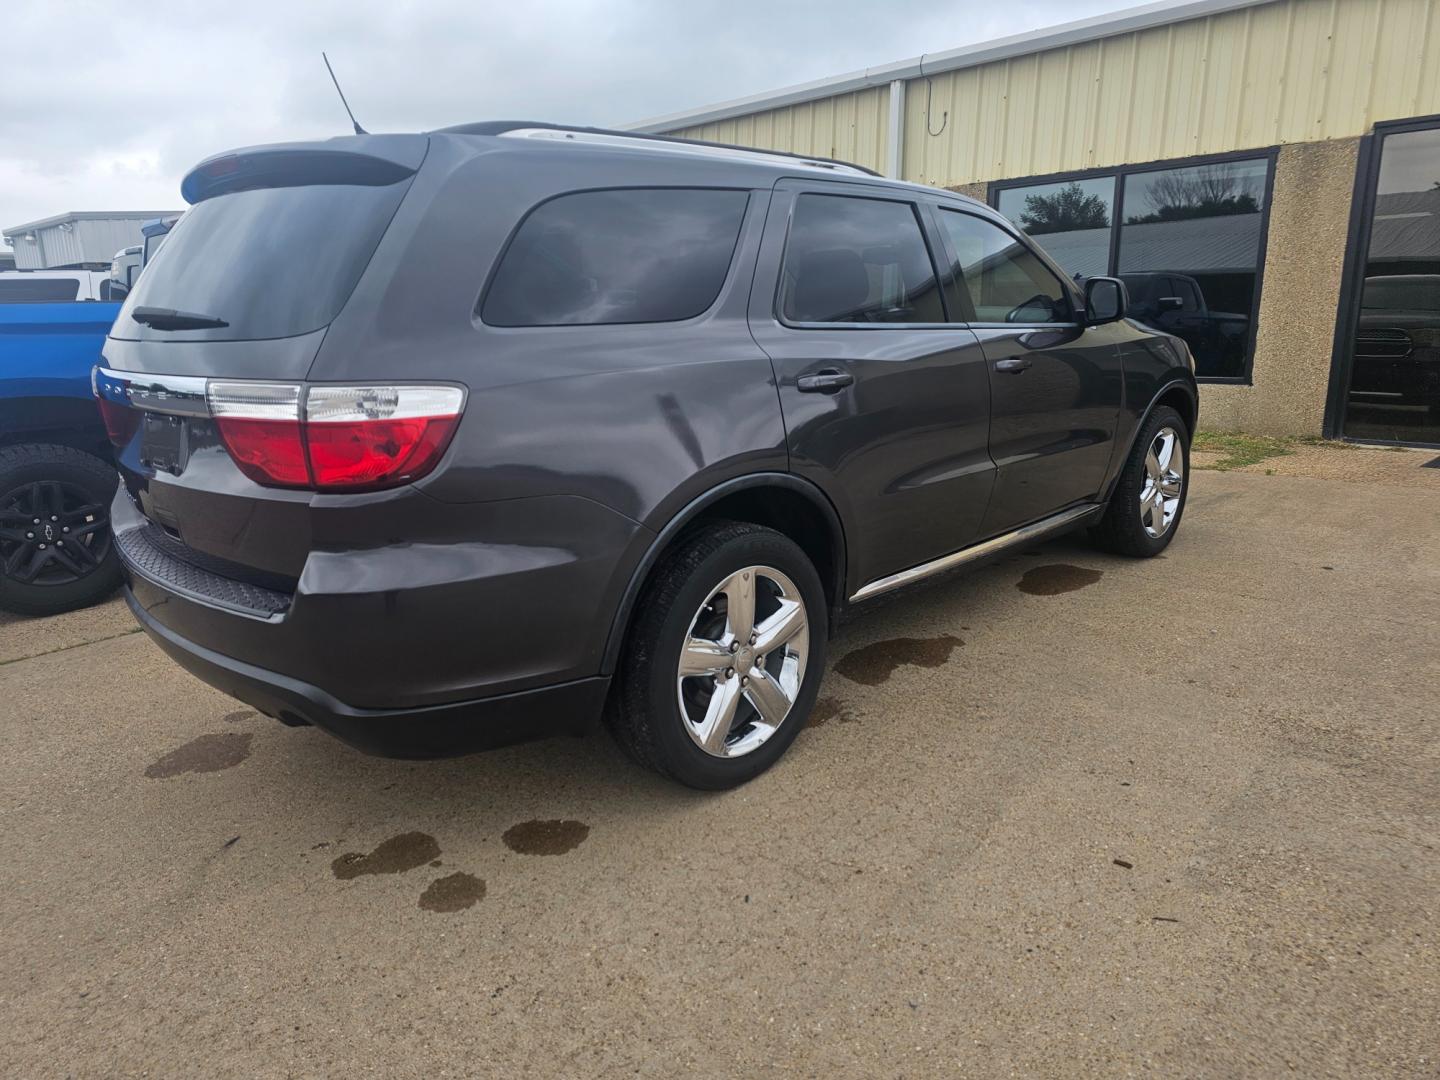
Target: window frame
928,235
477,310
1067,287
1269,154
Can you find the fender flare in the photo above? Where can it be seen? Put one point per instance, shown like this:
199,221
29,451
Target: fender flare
1188,386
811,492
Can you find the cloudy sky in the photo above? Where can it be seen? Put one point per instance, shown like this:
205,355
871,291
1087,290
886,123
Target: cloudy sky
104,106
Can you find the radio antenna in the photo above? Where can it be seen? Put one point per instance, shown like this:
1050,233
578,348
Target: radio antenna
358,129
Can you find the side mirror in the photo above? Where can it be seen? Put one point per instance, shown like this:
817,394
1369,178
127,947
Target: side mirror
1169,303
1106,300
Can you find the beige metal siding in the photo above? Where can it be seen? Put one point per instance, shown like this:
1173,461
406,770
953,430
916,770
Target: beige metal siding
1291,71
852,127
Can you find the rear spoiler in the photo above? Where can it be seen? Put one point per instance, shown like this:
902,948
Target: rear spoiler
371,160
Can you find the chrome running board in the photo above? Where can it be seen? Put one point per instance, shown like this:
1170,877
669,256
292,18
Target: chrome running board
1035,531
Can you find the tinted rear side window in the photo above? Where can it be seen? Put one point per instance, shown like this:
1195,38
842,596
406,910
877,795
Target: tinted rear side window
851,260
23,290
272,262
637,255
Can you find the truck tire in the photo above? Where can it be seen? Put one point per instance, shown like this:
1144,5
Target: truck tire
56,551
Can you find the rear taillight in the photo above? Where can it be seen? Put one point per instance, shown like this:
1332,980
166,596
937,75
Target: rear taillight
335,438
120,422
260,424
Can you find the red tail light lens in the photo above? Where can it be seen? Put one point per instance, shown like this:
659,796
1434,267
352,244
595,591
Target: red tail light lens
121,421
260,424
349,437
364,436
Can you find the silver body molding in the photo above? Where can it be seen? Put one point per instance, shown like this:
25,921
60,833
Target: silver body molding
1034,531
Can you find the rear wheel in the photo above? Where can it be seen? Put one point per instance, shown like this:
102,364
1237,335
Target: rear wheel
56,552
724,660
1149,498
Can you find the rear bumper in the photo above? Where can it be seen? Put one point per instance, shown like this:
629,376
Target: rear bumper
445,730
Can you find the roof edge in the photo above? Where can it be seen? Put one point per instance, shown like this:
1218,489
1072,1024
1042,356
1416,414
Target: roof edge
83,215
1080,31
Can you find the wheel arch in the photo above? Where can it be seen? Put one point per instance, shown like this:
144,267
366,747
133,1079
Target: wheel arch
1179,394
782,501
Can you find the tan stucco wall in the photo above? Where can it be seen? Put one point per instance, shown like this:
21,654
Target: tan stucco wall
979,192
1299,299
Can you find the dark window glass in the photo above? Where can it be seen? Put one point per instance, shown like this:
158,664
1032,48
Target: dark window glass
1394,392
624,256
1071,220
272,262
997,279
32,290
851,260
1202,226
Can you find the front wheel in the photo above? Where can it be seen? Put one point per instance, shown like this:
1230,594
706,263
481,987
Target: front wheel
1149,497
56,552
724,660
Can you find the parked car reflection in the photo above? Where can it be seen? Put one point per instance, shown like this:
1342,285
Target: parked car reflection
1175,304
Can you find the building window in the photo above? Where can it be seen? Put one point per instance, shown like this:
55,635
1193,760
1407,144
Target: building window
1186,240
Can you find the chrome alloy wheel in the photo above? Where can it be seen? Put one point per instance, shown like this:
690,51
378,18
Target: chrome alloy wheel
743,662
1164,483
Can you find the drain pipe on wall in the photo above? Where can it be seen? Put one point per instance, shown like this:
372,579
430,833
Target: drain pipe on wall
895,137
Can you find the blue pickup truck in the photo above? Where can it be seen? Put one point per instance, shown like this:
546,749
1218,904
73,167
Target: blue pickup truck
56,473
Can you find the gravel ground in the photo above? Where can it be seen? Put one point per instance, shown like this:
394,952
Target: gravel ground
1069,815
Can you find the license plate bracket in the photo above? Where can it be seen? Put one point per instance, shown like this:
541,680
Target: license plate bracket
163,445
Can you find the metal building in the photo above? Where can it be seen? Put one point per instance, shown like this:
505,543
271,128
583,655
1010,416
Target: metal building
1265,174
87,239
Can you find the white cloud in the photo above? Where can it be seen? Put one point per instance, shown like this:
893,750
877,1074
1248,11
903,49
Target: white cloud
105,107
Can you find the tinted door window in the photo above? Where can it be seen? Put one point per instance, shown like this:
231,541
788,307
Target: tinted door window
856,260
997,278
28,290
637,255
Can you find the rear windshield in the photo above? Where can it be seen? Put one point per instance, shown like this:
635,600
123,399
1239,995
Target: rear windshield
23,290
272,262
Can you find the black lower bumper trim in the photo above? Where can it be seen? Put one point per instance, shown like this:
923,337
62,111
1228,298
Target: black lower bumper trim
429,731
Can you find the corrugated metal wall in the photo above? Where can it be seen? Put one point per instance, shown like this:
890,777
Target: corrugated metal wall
852,127
1295,71
87,240
1289,71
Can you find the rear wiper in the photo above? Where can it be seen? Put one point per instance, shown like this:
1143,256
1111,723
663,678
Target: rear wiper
170,319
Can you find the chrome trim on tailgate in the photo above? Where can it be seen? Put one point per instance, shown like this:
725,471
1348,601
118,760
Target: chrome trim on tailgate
175,395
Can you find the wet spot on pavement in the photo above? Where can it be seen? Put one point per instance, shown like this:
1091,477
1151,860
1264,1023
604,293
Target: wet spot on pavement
827,709
408,851
1057,578
208,753
238,715
454,892
552,837
873,664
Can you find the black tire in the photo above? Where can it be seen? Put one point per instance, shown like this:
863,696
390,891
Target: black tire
78,487
1122,529
646,716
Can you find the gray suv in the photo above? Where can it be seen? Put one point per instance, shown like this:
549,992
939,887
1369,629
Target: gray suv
448,440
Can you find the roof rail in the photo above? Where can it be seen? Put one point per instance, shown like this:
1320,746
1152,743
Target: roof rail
535,129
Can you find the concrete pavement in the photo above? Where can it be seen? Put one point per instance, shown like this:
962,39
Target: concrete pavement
1067,815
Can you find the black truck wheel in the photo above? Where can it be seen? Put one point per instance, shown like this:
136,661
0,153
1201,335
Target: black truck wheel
56,552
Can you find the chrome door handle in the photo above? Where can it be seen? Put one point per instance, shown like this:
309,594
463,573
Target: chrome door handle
1014,364
828,381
